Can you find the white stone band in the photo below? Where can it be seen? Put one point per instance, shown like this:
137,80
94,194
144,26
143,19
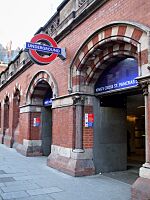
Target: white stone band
27,143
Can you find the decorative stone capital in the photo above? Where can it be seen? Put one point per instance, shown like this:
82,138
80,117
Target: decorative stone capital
78,100
144,87
144,83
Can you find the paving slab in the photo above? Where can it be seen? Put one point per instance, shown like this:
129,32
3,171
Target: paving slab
29,178
14,195
18,183
14,188
6,179
39,197
44,191
2,172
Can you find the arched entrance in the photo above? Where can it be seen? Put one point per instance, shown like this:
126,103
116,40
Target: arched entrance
39,105
42,96
119,130
108,45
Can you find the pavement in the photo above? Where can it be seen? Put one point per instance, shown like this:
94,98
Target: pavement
28,178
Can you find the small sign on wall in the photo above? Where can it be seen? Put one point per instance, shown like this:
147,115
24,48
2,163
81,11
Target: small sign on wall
36,121
89,119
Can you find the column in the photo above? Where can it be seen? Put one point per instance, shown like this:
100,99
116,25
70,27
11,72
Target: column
2,123
147,131
146,92
140,188
78,103
29,141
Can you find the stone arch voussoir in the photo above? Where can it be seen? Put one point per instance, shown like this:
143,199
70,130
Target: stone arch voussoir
41,75
133,38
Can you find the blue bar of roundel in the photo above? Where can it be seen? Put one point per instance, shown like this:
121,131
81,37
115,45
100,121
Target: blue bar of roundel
42,48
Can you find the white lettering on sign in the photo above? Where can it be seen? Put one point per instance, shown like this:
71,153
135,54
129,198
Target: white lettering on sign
117,85
42,48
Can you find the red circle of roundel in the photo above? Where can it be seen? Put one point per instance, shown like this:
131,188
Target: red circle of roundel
36,56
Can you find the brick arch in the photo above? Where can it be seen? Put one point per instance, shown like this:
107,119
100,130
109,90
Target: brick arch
42,75
130,38
111,53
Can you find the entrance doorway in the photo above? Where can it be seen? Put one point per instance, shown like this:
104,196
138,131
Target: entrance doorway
135,129
46,117
119,143
42,96
119,129
46,130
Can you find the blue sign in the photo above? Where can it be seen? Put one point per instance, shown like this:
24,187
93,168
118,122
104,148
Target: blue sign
43,48
47,102
118,76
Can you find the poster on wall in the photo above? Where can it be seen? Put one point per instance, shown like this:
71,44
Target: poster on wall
36,121
89,119
120,75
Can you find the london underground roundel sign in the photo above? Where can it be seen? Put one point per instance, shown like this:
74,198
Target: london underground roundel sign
43,49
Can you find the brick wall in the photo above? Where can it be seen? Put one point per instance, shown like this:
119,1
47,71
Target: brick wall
24,122
35,131
6,115
62,128
16,112
0,115
113,10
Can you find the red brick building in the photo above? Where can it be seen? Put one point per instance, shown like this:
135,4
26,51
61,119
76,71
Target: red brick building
107,43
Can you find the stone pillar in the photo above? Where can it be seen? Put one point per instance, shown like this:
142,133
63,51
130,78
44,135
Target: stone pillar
78,102
8,134
146,90
141,187
70,158
6,123
28,142
2,123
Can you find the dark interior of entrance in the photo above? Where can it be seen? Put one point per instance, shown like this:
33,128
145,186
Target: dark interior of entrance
119,129
42,97
46,132
46,116
136,129
120,132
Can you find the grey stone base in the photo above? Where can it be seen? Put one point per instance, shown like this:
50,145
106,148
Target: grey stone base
145,171
29,148
8,141
72,163
1,138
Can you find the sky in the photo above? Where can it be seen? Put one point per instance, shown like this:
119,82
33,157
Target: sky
20,19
